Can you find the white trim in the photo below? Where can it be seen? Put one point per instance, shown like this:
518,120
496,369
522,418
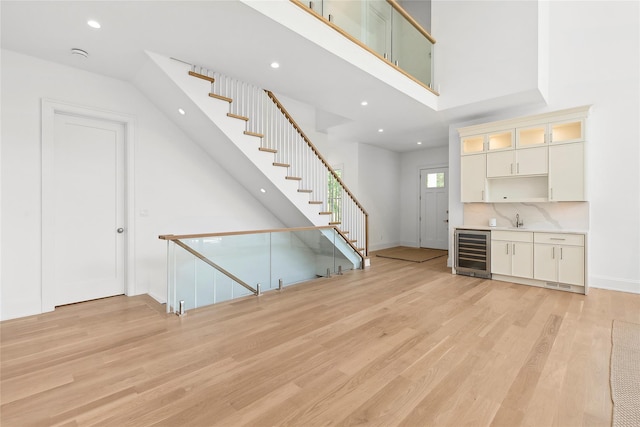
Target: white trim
615,284
49,109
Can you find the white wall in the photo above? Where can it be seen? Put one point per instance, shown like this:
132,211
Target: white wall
485,50
177,185
378,183
593,59
410,164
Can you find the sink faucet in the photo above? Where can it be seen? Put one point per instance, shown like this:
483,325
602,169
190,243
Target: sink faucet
518,222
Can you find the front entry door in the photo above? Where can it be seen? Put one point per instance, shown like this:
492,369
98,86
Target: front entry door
87,208
434,208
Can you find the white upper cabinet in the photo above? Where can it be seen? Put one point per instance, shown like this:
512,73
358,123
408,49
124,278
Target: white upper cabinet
534,136
567,131
530,159
500,140
473,144
473,173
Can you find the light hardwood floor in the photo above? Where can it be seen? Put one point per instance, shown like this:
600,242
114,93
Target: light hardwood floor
397,344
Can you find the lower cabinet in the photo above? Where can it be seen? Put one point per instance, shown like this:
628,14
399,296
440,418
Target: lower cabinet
551,260
559,258
512,253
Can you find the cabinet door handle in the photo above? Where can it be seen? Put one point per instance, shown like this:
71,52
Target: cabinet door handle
551,193
514,249
518,168
560,253
482,195
506,247
553,253
511,170
556,238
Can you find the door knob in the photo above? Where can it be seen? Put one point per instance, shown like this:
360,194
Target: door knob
120,230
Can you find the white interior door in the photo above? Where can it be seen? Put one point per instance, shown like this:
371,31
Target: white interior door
434,208
88,209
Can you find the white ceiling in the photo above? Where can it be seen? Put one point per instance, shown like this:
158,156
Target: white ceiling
229,37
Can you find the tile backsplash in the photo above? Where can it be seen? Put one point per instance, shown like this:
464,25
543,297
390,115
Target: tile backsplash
547,216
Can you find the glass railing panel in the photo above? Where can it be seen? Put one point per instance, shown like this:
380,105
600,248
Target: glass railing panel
293,257
377,26
348,15
208,270
382,28
185,266
244,255
198,284
345,258
411,50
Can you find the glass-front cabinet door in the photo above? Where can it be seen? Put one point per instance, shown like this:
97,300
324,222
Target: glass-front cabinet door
472,144
500,140
534,136
572,131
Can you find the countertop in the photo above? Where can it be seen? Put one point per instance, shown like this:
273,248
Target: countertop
533,229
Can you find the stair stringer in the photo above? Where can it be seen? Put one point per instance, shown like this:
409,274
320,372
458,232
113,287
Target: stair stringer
166,82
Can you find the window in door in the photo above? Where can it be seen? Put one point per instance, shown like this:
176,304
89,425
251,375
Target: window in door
435,180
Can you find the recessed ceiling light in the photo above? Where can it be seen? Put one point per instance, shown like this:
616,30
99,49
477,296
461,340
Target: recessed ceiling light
79,52
380,130
419,142
363,103
275,65
181,111
262,190
93,24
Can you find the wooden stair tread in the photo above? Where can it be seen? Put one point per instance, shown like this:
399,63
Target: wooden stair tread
360,249
267,150
353,241
315,202
259,135
344,232
325,213
335,223
304,191
220,97
282,165
202,76
293,178
236,116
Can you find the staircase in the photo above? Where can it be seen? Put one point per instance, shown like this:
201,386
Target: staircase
248,131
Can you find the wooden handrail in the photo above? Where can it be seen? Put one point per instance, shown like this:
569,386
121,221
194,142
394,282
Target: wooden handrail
238,233
315,150
412,21
216,266
326,164
176,239
362,45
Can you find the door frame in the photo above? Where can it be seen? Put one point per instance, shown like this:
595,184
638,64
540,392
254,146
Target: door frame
50,108
419,211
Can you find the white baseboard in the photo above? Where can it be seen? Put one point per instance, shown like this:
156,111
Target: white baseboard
381,246
161,300
615,284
